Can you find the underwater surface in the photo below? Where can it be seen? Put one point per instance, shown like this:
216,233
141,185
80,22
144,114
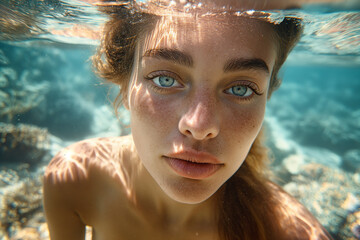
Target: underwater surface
50,98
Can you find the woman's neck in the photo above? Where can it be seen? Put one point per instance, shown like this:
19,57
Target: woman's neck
159,209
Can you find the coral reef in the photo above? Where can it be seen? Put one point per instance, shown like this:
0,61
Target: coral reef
315,142
38,87
352,223
17,94
332,195
20,199
313,124
22,143
352,160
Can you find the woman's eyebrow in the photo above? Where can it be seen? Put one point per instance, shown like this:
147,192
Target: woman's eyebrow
238,64
172,55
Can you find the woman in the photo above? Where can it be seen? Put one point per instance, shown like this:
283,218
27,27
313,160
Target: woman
194,166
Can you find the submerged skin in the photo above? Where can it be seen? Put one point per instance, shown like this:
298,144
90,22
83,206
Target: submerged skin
85,185
200,112
125,188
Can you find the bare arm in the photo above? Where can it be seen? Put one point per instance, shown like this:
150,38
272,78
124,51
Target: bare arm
61,191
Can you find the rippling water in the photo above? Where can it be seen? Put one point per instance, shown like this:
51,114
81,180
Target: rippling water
46,84
332,35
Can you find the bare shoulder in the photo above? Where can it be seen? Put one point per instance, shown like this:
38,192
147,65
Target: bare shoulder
296,221
75,162
86,174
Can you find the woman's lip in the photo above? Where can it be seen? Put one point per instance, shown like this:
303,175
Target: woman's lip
194,156
192,170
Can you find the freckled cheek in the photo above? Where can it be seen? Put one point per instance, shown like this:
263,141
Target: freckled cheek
149,108
245,124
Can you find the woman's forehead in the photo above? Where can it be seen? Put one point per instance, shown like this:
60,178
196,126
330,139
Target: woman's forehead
170,31
227,35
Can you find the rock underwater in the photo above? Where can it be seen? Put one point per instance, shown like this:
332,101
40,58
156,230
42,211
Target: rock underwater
23,143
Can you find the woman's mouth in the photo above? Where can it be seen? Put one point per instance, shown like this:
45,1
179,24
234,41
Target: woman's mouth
193,165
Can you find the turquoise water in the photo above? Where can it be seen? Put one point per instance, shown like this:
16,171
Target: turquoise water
49,98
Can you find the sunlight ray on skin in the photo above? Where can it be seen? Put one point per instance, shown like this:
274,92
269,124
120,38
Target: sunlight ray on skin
112,162
73,163
149,101
68,167
141,98
164,33
177,147
133,92
133,88
195,114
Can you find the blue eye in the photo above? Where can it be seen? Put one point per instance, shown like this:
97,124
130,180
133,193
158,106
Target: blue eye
164,81
241,91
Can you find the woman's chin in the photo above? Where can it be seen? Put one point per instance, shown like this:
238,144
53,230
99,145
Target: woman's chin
189,191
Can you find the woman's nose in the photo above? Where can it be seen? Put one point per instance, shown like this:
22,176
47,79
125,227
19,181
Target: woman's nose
200,121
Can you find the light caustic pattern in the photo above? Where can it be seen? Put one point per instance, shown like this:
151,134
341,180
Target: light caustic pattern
74,163
330,36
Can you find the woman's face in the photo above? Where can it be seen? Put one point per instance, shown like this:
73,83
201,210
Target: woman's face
197,100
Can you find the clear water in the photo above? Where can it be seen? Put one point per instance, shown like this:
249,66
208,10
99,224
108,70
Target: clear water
47,84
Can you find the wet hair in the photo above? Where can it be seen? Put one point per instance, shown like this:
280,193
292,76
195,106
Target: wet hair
247,207
115,57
